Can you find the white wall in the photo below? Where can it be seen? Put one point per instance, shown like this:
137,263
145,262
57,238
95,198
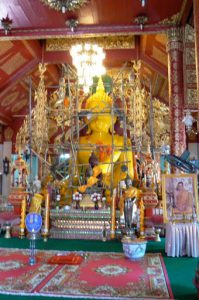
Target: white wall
194,150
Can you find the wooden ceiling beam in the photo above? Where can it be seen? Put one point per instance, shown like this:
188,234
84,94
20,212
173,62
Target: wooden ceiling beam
18,76
187,11
54,73
161,99
81,31
34,47
162,70
56,57
137,47
5,120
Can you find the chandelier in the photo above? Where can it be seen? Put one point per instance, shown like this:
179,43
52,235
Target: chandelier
64,5
88,61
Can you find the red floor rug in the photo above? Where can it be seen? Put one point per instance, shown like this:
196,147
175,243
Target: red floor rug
98,275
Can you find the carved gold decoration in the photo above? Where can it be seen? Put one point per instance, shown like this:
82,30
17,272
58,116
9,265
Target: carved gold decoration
138,107
39,120
106,42
136,114
22,135
189,34
191,100
190,56
61,108
161,123
175,34
113,73
175,39
191,77
173,20
64,5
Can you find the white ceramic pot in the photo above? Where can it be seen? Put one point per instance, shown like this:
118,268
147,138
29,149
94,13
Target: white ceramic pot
134,249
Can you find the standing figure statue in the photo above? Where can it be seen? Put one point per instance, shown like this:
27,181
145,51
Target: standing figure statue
36,185
127,203
128,211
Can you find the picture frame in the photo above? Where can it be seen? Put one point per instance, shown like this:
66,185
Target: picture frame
180,197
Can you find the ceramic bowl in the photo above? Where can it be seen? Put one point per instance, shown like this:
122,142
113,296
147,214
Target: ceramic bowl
134,248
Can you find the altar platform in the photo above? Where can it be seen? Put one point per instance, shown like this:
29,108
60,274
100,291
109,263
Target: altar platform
87,223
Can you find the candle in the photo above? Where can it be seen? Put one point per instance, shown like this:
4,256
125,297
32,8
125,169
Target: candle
23,216
141,217
47,214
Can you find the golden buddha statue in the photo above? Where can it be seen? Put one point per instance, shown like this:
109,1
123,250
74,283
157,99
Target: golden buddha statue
107,146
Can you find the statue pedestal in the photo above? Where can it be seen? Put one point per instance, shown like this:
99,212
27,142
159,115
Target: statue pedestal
15,198
150,200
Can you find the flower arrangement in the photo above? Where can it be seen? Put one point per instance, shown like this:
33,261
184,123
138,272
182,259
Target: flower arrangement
96,197
77,197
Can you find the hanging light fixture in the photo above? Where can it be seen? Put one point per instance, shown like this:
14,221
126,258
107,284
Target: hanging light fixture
64,5
141,21
88,60
6,23
143,3
72,24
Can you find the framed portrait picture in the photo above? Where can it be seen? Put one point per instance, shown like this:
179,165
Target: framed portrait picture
180,197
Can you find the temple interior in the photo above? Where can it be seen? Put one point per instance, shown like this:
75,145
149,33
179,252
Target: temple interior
99,149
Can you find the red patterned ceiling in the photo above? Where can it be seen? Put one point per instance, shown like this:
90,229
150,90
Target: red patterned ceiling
33,14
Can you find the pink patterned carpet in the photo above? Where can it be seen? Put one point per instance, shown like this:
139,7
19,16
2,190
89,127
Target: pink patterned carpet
100,275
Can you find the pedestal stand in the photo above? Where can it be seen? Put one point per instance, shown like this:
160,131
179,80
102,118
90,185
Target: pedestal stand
157,233
32,257
8,231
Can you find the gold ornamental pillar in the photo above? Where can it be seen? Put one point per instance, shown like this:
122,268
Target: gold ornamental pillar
113,215
46,217
196,27
176,90
23,217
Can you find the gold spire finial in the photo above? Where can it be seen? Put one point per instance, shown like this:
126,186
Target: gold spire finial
100,85
100,100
